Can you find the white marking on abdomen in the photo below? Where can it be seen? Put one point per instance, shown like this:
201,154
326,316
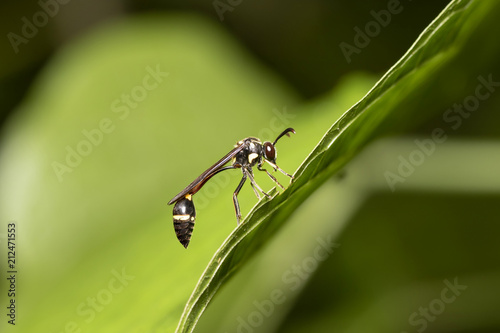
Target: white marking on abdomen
184,217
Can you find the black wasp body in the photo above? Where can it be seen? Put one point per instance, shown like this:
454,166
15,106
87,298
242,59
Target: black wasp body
245,155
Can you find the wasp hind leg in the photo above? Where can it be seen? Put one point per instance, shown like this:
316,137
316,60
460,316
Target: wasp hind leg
235,198
184,216
255,185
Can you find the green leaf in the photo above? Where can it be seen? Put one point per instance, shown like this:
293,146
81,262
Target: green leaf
127,156
97,250
389,106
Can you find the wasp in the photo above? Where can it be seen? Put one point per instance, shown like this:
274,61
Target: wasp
246,154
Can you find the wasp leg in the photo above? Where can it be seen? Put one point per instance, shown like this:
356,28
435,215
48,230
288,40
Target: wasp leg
235,198
254,189
271,176
252,181
275,167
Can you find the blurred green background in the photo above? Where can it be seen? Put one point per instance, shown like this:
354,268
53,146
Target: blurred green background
108,109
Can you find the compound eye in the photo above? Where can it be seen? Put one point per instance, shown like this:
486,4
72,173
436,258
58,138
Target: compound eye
269,151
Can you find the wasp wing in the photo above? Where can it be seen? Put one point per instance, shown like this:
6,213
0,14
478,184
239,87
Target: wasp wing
196,185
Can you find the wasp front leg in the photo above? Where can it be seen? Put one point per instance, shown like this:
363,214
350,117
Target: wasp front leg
270,176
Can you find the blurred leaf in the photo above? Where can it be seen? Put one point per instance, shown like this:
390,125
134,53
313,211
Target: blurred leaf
437,47
133,110
367,284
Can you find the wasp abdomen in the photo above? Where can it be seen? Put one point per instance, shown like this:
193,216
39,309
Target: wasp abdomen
184,216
